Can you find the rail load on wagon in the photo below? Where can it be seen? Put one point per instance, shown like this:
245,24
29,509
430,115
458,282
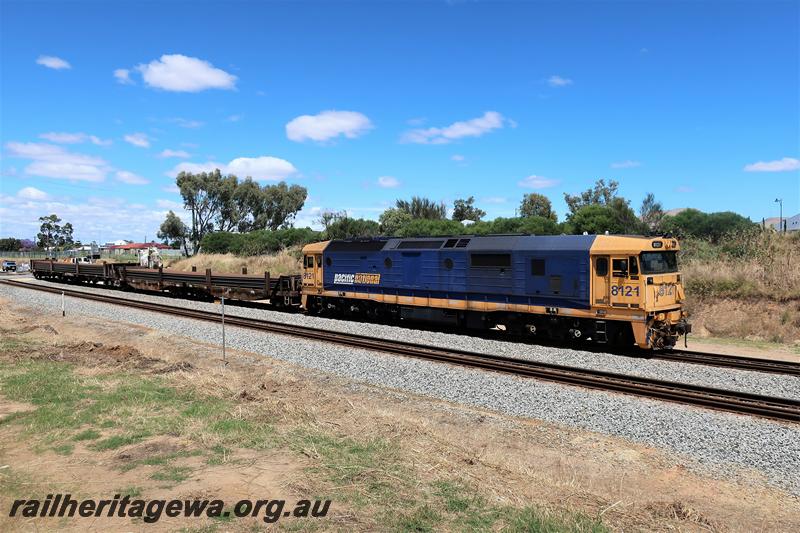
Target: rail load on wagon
608,289
282,291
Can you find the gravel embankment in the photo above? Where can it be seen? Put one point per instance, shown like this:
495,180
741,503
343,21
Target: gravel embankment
729,379
720,444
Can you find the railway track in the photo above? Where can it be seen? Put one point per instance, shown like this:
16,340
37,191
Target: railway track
731,361
676,355
707,397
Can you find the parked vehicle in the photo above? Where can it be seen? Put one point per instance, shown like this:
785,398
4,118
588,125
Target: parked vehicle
9,266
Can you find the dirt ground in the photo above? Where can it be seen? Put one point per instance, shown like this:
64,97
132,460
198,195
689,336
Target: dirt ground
420,464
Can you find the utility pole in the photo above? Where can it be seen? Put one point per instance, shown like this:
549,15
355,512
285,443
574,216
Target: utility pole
780,223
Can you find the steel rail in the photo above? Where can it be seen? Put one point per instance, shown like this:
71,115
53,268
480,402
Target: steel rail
730,361
731,401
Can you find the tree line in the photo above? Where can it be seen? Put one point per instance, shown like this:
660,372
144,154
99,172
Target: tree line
243,217
228,214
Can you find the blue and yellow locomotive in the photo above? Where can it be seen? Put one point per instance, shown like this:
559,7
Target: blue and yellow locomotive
623,290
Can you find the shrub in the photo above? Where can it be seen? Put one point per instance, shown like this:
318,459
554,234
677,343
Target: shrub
431,228
349,228
220,242
257,242
712,226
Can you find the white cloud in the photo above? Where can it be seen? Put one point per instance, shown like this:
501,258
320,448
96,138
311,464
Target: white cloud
123,76
186,123
261,168
53,62
458,157
327,125
684,189
130,178
265,168
74,138
180,73
626,164
54,161
388,182
174,153
558,81
194,168
171,188
169,204
101,219
537,182
780,165
32,193
494,200
491,120
416,121
138,139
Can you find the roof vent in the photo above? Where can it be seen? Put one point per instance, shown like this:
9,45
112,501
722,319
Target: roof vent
462,243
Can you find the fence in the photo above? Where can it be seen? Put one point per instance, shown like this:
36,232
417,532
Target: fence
103,255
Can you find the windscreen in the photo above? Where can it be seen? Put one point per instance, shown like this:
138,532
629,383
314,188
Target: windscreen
659,262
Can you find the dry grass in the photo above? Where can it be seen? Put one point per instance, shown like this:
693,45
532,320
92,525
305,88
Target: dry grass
283,262
747,287
761,265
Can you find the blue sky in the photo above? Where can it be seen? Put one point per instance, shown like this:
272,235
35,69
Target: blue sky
362,103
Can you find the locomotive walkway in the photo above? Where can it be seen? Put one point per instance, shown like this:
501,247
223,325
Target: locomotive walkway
706,397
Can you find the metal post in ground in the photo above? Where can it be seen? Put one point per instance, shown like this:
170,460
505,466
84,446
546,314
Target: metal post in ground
224,357
63,310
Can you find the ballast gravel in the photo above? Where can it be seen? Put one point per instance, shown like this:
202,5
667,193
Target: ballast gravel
728,379
711,442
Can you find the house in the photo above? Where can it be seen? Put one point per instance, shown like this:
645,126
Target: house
791,223
134,247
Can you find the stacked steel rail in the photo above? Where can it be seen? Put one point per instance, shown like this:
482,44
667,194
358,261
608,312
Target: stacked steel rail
731,401
283,291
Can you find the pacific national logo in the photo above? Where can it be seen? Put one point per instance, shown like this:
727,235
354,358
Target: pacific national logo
357,279
344,279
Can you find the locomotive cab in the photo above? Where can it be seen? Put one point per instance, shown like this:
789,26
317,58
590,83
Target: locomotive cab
312,270
636,280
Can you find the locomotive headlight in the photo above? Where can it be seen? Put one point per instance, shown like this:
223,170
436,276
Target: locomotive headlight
657,244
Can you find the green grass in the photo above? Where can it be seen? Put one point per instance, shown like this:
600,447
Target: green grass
244,433
454,506
64,449
423,519
131,492
172,474
70,408
118,441
15,344
368,473
89,434
219,454
535,520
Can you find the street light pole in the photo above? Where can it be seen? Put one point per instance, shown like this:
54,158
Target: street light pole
780,220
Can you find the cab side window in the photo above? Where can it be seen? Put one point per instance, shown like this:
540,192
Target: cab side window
319,261
619,268
601,266
633,265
